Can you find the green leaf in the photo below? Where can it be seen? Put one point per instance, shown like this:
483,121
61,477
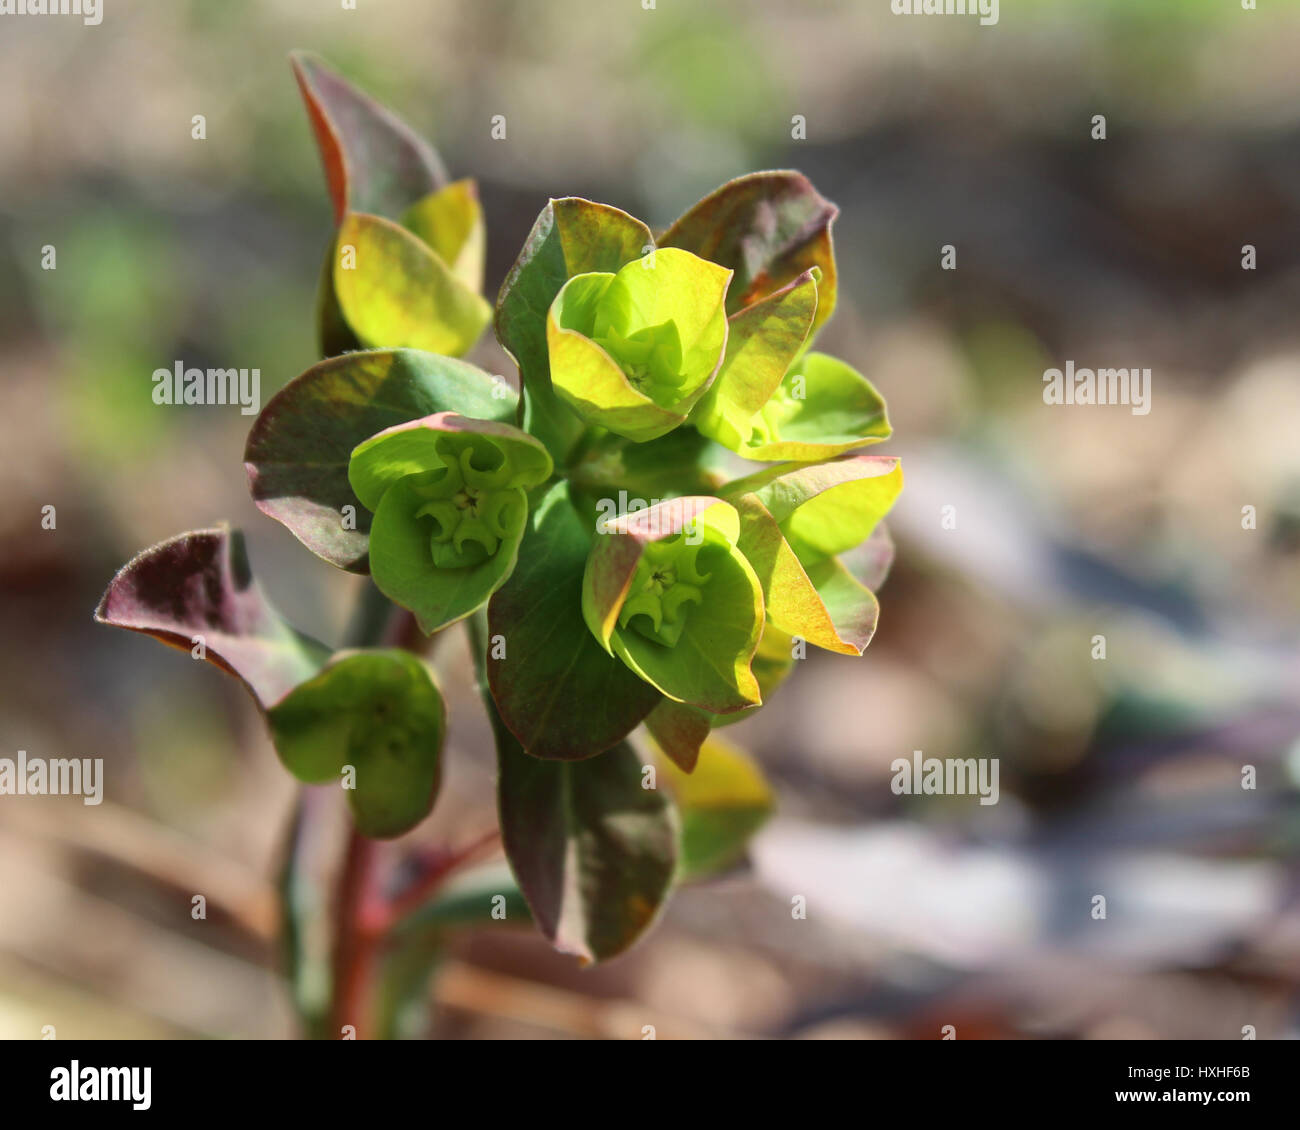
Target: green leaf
610,468
560,694
449,495
198,588
768,227
822,408
668,592
373,161
379,712
773,661
681,730
794,522
634,350
594,852
722,804
763,341
590,382
450,221
826,509
299,447
571,237
393,290
403,1007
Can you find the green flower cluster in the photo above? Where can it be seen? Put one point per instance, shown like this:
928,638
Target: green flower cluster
648,530
653,372
656,373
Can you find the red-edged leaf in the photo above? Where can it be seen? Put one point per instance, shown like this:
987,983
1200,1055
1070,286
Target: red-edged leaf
374,162
593,851
300,445
769,228
199,585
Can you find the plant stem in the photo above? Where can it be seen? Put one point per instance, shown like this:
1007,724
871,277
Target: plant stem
354,938
362,918
444,865
376,622
476,628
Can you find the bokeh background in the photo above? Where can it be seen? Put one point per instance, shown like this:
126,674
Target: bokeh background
1120,777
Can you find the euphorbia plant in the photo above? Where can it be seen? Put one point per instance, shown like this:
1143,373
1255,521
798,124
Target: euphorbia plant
647,533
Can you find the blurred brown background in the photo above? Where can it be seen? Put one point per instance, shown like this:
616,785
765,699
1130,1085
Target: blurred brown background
1119,777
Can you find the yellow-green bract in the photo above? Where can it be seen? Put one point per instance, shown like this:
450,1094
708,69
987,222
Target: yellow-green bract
413,286
772,400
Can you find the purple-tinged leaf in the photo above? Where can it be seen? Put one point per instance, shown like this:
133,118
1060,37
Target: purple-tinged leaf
373,161
299,447
769,228
197,588
593,851
870,562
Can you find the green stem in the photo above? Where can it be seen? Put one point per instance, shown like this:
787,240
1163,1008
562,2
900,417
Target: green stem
309,976
476,627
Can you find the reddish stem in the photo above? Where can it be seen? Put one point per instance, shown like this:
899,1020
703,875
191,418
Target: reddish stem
362,920
355,940
440,868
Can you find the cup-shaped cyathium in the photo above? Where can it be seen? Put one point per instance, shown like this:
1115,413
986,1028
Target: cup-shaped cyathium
634,351
449,496
667,590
